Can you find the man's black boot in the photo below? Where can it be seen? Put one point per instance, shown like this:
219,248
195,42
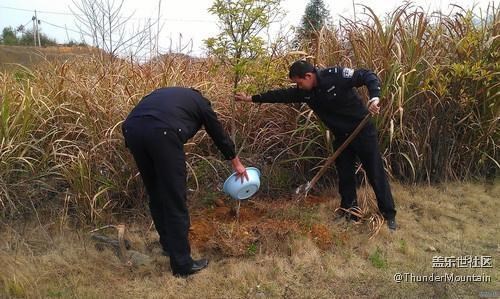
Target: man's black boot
197,266
391,223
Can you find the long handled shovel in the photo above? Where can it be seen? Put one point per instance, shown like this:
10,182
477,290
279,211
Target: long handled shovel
305,188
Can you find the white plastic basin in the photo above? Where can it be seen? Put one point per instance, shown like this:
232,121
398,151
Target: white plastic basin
238,190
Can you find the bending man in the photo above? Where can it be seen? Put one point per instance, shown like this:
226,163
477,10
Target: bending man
155,132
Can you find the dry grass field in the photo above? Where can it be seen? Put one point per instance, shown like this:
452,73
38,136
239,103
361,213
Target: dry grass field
277,249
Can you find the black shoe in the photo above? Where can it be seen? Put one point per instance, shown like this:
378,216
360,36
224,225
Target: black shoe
353,218
197,266
347,216
391,223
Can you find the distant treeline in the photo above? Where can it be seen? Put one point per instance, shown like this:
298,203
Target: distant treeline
26,37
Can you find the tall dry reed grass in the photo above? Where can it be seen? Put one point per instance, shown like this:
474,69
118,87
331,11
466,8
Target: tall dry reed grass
60,122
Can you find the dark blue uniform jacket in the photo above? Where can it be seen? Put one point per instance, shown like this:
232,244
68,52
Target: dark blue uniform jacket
334,100
184,110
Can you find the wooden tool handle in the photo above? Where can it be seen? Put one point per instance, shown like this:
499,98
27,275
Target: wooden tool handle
337,153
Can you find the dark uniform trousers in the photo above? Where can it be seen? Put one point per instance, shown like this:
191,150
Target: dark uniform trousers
159,155
365,147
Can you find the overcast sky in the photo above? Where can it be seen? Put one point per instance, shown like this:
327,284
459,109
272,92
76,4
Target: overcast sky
188,17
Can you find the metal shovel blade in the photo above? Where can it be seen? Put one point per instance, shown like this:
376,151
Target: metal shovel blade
304,188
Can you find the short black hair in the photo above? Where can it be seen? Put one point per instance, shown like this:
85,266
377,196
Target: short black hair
299,69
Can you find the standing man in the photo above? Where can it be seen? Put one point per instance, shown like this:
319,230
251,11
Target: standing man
155,132
331,94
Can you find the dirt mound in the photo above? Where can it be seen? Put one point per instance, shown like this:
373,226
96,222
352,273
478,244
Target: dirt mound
312,200
257,228
322,236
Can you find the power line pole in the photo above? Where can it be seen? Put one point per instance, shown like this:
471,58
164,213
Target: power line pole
34,28
38,33
37,36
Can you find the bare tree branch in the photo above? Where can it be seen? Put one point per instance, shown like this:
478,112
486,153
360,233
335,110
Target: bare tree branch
102,21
